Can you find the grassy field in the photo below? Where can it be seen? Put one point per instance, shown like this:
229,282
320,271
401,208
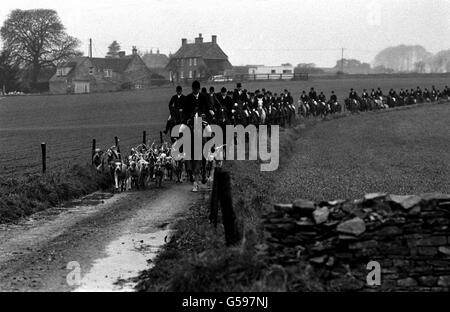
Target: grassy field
68,123
401,151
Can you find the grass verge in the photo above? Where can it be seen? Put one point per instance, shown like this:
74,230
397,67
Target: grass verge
25,195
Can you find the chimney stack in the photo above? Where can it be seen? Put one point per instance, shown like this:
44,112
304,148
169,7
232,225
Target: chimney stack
214,39
134,50
199,39
183,41
157,51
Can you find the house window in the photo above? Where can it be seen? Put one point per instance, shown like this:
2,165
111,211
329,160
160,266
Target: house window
190,74
273,71
287,71
59,72
182,74
108,73
182,62
195,61
190,62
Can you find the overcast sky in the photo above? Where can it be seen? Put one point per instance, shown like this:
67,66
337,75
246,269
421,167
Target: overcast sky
266,32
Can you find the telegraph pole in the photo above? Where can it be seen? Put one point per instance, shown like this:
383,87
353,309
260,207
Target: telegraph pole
342,61
90,48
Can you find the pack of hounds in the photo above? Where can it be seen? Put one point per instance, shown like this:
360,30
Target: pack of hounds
150,164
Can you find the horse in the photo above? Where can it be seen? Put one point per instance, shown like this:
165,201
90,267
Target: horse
379,103
334,107
321,109
352,105
291,113
261,112
303,109
392,101
313,107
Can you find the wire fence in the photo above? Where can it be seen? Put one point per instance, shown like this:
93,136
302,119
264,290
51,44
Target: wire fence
58,158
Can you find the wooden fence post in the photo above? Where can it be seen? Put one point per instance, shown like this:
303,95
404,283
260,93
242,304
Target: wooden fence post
144,137
214,203
44,157
232,233
93,150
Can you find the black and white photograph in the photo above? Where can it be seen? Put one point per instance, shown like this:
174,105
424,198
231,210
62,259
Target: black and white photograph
234,149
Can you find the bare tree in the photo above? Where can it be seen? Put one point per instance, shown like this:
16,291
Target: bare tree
37,38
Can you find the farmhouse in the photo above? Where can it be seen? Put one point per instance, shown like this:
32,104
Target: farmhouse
157,63
92,74
199,60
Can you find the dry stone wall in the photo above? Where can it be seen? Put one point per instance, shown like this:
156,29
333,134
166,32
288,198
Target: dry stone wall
408,236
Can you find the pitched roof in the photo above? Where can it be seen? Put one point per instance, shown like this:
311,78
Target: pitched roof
73,61
118,65
207,50
157,60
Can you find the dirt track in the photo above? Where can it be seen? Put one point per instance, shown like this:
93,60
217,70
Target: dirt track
111,237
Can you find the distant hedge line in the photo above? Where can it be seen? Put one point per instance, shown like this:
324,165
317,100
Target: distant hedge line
23,196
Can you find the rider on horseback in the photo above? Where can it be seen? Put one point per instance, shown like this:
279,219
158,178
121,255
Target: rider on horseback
392,93
364,94
353,95
312,95
175,109
379,92
322,97
426,94
434,93
304,97
196,105
333,97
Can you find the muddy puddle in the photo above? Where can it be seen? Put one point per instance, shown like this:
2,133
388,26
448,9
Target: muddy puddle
126,257
89,200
